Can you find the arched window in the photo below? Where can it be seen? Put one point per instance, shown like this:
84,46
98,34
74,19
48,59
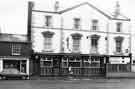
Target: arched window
118,41
47,40
76,42
94,43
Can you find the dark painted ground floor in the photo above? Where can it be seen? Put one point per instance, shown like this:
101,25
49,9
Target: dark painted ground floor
69,84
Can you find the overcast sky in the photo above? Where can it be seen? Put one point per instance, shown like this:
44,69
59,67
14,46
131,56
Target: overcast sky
13,13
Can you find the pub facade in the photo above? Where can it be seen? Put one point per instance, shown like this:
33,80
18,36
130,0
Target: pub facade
79,40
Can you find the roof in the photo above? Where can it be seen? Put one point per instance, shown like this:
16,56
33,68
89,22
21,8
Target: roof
105,13
13,37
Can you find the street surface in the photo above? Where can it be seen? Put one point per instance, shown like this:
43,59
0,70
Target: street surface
69,84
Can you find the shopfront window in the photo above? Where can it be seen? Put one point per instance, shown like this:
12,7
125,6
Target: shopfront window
17,64
64,62
46,62
92,62
75,62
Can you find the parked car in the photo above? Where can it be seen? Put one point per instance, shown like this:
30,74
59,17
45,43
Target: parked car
13,73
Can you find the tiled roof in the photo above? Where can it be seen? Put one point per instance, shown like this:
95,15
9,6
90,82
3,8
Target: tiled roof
13,37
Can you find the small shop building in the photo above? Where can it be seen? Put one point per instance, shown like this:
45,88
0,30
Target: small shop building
15,52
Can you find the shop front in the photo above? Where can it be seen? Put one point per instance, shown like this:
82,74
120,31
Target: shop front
73,65
19,63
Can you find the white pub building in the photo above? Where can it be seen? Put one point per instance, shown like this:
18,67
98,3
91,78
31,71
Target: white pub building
82,39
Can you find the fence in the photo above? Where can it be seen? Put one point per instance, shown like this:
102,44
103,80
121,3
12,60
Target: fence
93,71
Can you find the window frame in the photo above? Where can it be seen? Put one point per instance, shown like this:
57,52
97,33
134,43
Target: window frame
48,20
76,45
118,27
95,24
16,49
47,43
77,23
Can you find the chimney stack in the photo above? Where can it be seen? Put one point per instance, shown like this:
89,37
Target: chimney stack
56,6
117,9
30,7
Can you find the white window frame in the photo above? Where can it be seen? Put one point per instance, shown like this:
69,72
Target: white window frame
16,49
95,24
48,20
77,22
47,43
76,45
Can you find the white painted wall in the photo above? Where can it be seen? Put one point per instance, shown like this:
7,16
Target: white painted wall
86,14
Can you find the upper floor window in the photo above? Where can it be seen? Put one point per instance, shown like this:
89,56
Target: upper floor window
76,23
94,43
118,26
47,43
76,45
119,41
76,42
48,19
16,49
48,40
94,24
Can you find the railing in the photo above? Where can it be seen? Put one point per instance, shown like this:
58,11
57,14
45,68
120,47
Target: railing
76,71
118,67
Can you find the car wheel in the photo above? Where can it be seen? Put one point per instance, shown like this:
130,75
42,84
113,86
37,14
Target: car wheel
23,77
3,77
0,77
28,78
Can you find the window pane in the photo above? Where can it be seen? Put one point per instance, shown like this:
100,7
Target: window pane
16,49
76,44
76,23
118,46
94,24
48,20
48,43
119,27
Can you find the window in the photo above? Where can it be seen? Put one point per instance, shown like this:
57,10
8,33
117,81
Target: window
119,41
77,23
94,43
64,62
76,45
47,40
48,20
46,62
94,24
76,42
118,28
47,43
74,62
118,46
16,49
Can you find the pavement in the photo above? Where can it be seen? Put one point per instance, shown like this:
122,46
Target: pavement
68,84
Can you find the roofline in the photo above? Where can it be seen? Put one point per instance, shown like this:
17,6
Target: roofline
13,34
76,6
14,41
52,12
121,19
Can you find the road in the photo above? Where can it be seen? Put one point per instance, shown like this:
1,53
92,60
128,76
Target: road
69,84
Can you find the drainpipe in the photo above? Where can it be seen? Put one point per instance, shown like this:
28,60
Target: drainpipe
61,37
30,7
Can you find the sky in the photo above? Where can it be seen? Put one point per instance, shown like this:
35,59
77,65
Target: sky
13,13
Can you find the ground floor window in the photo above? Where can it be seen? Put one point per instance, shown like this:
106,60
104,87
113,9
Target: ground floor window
18,64
46,62
74,62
